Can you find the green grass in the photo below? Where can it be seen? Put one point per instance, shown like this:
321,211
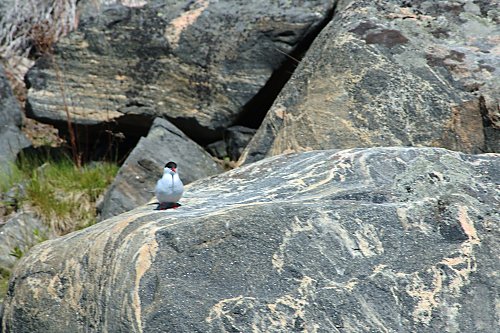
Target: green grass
63,195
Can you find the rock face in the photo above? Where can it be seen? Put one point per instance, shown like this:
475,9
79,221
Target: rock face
362,240
22,230
237,138
197,63
144,166
10,112
12,140
395,73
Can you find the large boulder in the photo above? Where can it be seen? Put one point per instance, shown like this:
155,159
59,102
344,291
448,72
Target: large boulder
197,63
362,240
137,177
12,140
409,73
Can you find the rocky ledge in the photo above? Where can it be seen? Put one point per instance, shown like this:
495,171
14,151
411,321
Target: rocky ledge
379,240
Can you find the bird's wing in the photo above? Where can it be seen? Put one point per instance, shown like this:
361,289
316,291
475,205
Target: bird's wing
178,187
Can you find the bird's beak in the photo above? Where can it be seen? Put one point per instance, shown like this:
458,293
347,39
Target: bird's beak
173,169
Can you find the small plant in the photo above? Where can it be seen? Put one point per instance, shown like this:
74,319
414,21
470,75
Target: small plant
26,28
226,163
19,252
39,236
16,252
10,188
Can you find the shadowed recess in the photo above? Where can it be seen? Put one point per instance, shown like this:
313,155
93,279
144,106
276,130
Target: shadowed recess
254,112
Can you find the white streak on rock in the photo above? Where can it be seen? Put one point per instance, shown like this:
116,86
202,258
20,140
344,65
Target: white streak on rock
177,26
298,226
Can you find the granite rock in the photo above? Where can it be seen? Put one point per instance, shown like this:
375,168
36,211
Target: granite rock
394,73
361,240
217,149
237,138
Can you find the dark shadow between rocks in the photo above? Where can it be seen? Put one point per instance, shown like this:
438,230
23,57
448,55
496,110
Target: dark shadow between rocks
38,155
254,112
197,133
112,140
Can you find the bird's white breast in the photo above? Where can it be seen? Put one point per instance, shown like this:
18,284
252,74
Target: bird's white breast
169,188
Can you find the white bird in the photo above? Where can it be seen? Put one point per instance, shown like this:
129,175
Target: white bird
169,188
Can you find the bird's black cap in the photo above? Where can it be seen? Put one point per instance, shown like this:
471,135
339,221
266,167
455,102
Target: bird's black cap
171,165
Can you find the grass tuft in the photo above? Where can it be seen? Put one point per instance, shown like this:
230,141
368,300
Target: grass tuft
63,195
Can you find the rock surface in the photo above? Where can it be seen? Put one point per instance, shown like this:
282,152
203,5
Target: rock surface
21,230
10,111
144,166
12,140
237,138
197,63
362,240
218,149
394,73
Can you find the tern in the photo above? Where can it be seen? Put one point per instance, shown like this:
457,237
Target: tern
169,188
